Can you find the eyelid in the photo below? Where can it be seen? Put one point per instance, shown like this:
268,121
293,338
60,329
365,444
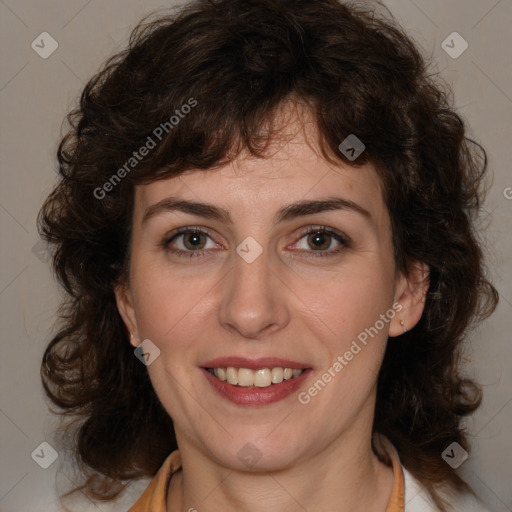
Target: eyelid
325,229
168,238
344,241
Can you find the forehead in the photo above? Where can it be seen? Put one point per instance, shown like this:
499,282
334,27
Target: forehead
292,169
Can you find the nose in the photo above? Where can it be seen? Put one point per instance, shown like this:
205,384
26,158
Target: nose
254,301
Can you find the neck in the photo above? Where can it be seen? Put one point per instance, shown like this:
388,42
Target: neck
346,476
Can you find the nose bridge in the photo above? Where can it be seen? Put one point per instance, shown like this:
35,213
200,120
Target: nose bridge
252,298
251,277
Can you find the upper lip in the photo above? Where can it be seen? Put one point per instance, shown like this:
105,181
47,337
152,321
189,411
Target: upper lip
253,364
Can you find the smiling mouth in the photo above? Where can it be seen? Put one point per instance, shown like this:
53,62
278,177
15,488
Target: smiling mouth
262,378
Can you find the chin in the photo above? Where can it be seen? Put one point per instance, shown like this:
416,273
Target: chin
255,452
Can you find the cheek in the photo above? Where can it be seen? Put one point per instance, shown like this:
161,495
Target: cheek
348,302
167,303
169,313
354,330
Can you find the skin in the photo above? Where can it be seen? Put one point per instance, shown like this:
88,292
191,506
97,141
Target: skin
313,457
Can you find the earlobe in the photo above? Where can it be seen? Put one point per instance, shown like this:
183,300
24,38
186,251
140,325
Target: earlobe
124,301
411,293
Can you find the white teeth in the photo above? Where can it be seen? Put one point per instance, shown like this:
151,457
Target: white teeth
232,375
262,378
277,375
245,377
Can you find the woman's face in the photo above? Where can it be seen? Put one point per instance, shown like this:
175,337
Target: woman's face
257,288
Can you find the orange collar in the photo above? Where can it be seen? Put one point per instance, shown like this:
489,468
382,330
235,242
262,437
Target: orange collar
389,453
154,497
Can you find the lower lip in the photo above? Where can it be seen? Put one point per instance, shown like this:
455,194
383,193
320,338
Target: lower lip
241,395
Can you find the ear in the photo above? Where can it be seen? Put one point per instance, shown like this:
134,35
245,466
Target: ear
125,306
410,294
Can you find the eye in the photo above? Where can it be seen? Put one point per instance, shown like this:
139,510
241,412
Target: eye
320,239
189,242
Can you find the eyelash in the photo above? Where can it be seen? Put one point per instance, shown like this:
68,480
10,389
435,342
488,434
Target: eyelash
342,239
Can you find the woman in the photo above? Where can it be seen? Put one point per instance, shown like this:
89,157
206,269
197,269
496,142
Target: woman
264,227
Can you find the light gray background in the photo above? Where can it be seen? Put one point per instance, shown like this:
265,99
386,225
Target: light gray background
36,93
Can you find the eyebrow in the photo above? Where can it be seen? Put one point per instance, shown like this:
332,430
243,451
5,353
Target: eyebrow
288,212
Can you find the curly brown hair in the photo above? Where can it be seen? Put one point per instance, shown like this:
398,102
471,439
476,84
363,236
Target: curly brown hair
235,62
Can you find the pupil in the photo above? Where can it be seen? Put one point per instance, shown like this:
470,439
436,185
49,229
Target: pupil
317,239
194,239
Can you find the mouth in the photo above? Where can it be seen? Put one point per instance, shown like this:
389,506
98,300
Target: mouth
261,378
255,381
